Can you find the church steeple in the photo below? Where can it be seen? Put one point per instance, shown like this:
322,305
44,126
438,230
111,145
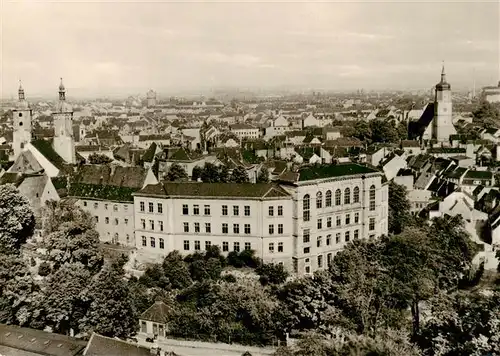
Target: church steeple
20,92
443,84
62,91
443,75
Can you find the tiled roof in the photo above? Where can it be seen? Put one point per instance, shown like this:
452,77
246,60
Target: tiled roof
104,346
150,153
46,149
227,190
437,150
182,154
158,137
91,148
158,312
241,127
332,170
130,177
479,175
40,342
11,178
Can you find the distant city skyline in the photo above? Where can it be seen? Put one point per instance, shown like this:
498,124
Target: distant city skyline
117,48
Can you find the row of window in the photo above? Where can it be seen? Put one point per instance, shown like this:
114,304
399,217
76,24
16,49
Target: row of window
152,224
338,221
271,247
151,207
116,221
306,235
306,204
106,206
152,242
225,245
225,210
225,228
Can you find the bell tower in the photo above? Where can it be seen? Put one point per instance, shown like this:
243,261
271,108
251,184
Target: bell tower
22,117
64,143
442,122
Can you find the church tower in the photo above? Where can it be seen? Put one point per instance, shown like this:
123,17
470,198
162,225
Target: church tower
64,143
442,122
22,115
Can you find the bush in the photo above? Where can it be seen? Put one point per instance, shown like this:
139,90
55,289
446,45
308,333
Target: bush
271,274
229,278
44,269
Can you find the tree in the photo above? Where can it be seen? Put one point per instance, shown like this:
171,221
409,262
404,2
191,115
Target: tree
96,158
17,219
176,173
263,176
70,237
210,173
271,273
176,270
64,302
44,269
223,172
17,291
383,131
111,310
197,172
399,208
362,131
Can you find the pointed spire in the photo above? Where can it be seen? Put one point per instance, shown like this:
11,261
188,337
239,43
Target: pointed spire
443,75
62,91
20,92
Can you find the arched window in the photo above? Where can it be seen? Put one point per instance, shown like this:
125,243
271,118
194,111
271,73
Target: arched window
372,198
306,207
355,195
338,197
328,198
347,196
319,200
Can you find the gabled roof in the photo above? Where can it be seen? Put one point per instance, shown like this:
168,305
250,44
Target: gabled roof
182,154
330,171
481,175
150,153
158,313
40,342
209,190
104,346
46,149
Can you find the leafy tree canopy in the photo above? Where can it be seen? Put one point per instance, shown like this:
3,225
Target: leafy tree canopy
97,158
176,173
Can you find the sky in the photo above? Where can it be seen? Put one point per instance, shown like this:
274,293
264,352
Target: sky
128,47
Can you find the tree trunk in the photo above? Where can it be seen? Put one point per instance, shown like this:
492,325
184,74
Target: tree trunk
415,313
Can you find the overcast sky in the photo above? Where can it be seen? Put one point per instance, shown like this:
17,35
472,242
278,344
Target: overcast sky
129,47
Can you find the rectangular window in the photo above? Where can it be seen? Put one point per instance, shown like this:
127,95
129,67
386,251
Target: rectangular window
247,210
271,247
125,221
151,224
337,237
236,247
160,208
225,246
271,229
116,221
196,227
372,205
207,245
125,207
208,228
186,227
225,228
84,203
197,245
186,245
271,211
207,210
306,249
328,222
236,210
196,209
280,210
153,242
347,219
160,224
151,208
162,243
248,246
320,261
280,229
319,241
143,224
308,269
96,219
371,225
224,210
247,229
280,246
96,205
306,215
185,209
141,204
105,206
338,220
356,234
320,224
328,240
347,236
144,241
306,236
356,218
236,228
106,220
